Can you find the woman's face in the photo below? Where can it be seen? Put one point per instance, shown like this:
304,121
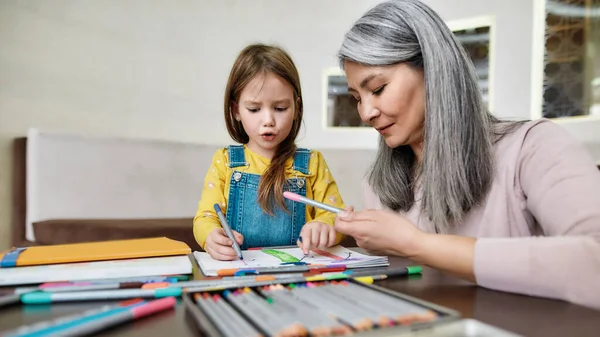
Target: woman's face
391,99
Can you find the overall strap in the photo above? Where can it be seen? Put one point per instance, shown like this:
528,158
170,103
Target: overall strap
237,157
301,160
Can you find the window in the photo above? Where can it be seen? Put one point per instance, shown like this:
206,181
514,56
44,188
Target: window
571,64
477,44
341,105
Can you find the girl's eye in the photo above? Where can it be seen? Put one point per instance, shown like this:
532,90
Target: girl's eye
253,109
379,90
281,109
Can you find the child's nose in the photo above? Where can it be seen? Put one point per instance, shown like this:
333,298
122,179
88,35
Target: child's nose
269,118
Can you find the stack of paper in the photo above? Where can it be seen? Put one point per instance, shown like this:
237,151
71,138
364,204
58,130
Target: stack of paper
154,266
95,260
93,251
290,258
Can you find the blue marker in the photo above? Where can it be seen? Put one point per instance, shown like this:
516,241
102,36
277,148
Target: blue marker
228,231
45,328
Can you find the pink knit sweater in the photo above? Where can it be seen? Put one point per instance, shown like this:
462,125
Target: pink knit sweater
538,229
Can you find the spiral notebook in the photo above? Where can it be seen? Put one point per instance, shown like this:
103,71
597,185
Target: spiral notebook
289,259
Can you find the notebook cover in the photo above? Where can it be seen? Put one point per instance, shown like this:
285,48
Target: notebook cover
100,251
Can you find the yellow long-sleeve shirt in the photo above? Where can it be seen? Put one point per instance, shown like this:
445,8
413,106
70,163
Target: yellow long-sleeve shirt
320,186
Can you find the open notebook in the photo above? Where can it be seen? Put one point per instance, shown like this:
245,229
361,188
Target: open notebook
289,259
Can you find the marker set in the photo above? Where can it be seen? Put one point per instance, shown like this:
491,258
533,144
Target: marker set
319,308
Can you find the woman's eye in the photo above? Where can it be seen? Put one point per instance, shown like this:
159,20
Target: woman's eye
379,90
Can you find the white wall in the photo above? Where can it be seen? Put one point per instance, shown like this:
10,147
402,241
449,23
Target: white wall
157,69
149,68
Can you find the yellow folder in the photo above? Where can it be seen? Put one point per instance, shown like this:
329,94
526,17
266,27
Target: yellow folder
94,251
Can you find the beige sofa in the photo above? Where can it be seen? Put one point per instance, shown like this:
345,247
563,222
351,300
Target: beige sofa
76,188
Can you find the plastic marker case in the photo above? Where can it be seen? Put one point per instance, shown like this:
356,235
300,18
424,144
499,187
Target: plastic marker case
447,322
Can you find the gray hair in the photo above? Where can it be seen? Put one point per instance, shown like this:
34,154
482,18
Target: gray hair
457,164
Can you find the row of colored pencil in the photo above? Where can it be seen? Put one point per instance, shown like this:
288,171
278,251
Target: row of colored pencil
307,309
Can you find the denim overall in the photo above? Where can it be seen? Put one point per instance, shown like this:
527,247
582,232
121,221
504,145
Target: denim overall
245,215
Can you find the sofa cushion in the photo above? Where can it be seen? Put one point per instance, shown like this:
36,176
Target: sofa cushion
56,232
63,231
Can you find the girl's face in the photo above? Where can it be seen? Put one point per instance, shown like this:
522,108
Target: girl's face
266,110
392,100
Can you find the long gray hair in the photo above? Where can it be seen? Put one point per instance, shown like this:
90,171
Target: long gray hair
457,164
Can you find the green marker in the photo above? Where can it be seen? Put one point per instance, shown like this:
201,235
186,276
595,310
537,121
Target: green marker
389,272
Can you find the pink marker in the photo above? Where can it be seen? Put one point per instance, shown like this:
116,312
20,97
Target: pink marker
307,201
104,320
63,284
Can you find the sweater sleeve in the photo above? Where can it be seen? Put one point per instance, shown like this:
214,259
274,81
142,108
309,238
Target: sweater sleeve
206,218
561,186
369,198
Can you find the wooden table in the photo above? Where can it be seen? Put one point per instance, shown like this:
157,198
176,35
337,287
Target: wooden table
524,315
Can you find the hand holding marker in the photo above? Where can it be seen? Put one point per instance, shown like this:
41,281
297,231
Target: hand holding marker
314,203
228,231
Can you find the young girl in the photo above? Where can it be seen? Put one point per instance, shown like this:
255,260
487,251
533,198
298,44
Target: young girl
263,111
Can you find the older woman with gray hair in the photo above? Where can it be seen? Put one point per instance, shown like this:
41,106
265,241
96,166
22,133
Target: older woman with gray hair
513,206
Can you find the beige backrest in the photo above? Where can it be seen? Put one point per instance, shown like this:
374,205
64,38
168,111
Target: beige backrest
83,177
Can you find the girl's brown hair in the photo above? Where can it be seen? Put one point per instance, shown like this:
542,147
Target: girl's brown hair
254,60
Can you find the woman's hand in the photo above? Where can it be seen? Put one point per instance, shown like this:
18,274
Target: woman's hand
380,231
388,233
316,234
218,245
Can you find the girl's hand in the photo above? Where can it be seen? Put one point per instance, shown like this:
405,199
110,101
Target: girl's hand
218,245
316,234
380,231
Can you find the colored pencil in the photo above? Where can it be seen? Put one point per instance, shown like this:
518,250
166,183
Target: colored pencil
200,285
317,324
215,315
405,312
245,328
368,309
314,308
282,269
259,314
